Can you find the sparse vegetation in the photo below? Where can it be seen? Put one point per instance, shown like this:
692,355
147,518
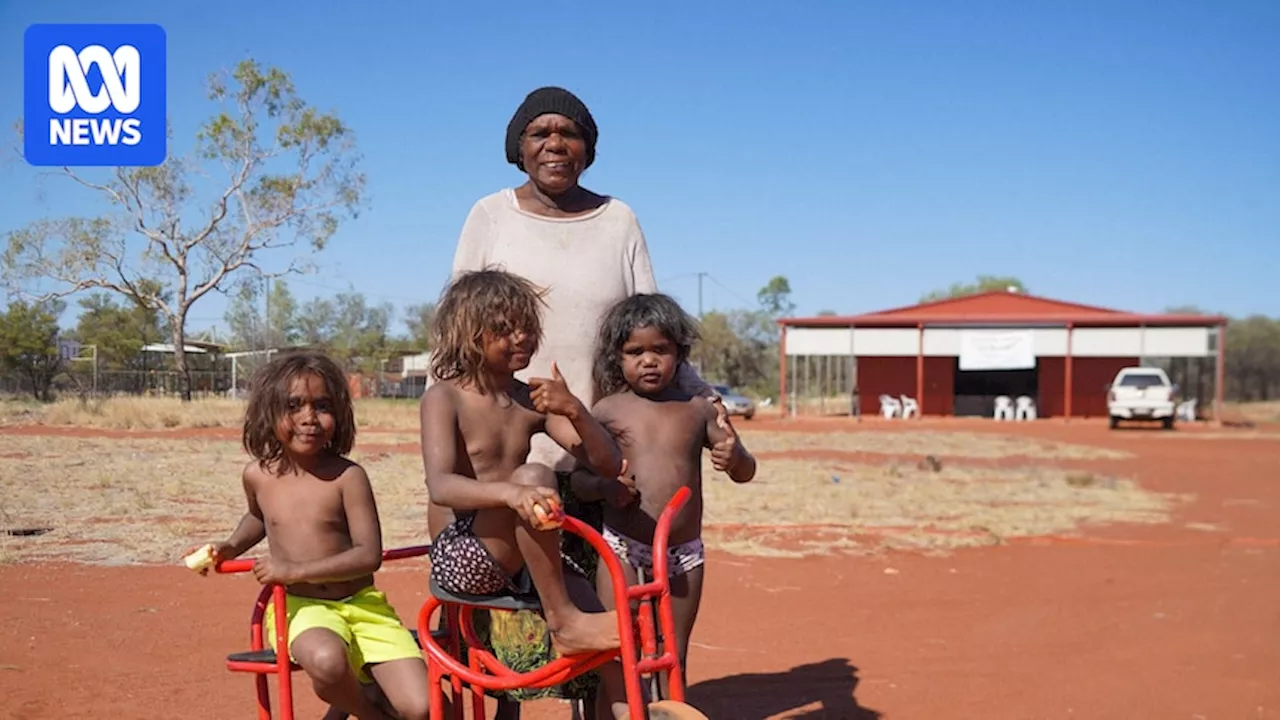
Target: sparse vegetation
160,413
143,500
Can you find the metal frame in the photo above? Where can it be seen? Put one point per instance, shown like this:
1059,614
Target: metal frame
282,668
484,672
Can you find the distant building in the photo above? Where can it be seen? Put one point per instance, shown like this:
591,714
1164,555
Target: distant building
955,356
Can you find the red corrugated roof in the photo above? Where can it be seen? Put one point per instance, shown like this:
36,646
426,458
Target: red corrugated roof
1002,307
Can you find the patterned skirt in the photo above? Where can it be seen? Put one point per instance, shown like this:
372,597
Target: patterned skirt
520,639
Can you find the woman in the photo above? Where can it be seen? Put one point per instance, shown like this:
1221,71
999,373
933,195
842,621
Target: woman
588,250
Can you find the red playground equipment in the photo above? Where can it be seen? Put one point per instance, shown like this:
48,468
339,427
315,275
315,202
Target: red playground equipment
261,659
484,672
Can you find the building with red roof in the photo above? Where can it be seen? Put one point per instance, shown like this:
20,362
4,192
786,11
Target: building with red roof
954,356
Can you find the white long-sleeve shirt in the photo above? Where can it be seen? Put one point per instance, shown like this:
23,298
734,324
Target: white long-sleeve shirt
587,264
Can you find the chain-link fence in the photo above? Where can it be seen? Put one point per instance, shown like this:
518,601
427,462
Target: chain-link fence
83,382
204,383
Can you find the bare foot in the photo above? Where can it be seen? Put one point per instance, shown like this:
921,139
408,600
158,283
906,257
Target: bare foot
586,632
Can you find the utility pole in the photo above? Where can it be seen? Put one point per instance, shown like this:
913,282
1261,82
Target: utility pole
266,320
702,352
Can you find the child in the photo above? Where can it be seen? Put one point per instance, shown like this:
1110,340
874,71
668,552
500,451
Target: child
477,423
317,510
662,431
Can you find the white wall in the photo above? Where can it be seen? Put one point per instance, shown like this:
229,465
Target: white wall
818,341
415,363
1176,342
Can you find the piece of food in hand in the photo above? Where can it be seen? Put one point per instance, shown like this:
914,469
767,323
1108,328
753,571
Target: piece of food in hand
547,519
201,559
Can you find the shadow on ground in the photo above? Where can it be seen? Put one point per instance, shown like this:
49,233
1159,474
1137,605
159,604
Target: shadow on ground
817,690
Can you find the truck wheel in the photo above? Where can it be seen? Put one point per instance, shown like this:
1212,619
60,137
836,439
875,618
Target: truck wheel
1168,423
1114,422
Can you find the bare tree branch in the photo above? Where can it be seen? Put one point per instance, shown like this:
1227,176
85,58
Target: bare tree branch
263,124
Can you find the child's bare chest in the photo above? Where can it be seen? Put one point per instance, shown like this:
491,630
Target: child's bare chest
675,431
290,504
496,435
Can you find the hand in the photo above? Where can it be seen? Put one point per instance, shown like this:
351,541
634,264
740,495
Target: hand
277,572
221,551
725,454
553,396
621,491
526,497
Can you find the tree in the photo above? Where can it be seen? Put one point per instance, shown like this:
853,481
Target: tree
291,177
775,297
281,311
29,343
983,283
244,323
740,347
249,330
315,321
1253,357
418,319
360,330
118,331
354,331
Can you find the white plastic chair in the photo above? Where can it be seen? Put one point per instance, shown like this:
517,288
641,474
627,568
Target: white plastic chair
909,407
1025,408
1187,410
889,406
1004,408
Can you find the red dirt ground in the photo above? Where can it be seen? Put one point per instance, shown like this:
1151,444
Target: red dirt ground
1129,622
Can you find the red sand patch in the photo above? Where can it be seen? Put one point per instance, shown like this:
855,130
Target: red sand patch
1171,621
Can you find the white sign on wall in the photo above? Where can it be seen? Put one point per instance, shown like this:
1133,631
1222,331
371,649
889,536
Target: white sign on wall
997,350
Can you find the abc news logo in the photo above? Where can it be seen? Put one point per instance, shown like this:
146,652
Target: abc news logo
94,95
69,88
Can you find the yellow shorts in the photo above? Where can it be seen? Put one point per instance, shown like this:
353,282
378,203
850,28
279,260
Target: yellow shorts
366,622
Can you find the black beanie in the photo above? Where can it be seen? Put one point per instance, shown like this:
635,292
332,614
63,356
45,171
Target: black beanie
546,100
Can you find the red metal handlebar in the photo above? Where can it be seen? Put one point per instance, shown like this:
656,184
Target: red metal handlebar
245,565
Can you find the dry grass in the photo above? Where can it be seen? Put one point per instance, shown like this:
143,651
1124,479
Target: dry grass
1256,412
152,413
146,413
144,501
926,442
903,506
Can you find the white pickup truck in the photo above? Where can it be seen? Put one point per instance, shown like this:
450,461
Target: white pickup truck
1142,393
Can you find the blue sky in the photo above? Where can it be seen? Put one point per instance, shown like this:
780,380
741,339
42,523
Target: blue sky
1115,153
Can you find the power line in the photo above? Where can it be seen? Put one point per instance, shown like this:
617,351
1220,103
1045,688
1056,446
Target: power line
357,290
741,299
681,276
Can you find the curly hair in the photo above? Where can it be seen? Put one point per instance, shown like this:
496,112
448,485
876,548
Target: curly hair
269,404
657,311
488,300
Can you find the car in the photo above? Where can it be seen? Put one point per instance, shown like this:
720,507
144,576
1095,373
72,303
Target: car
735,403
1142,393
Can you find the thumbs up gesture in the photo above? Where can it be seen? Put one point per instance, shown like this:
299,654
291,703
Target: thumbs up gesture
552,395
725,454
